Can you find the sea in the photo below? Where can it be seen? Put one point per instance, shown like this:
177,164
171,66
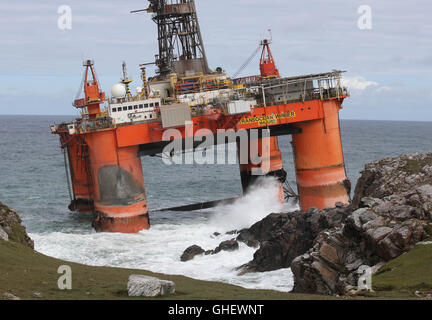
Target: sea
33,183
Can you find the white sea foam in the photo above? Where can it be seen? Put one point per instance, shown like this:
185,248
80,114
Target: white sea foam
159,248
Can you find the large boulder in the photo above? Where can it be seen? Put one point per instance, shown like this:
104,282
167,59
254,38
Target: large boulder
145,286
10,222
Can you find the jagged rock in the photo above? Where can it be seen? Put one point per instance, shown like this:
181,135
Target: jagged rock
10,222
376,235
390,176
145,286
37,294
191,252
391,208
3,235
284,236
228,245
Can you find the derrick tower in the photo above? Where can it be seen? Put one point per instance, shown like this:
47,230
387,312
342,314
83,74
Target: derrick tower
181,47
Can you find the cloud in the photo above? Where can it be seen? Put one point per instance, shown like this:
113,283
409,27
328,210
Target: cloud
358,83
307,38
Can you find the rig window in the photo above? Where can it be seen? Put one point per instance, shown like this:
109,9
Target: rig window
151,105
124,108
130,107
156,104
140,106
135,107
146,105
114,109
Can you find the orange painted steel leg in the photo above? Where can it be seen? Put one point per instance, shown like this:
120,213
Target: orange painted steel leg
81,185
271,164
119,198
320,167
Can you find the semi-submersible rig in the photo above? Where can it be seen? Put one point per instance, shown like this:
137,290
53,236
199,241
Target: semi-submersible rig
103,148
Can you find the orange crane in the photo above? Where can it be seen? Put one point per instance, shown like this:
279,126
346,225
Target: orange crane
267,64
93,96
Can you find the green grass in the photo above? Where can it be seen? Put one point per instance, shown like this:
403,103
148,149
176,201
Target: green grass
409,272
24,271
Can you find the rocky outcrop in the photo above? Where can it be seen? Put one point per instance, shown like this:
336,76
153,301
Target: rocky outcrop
391,212
389,176
366,239
284,236
10,222
145,286
329,250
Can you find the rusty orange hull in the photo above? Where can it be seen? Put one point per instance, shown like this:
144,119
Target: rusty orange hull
319,161
119,193
82,186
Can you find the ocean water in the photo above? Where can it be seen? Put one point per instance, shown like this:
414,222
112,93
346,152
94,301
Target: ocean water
33,182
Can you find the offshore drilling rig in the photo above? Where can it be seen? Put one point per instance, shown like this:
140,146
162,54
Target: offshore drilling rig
102,149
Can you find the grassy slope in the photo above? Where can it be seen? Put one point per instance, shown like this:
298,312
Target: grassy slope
24,271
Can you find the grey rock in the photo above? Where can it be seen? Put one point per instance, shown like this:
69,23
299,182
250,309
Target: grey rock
374,224
376,235
387,250
145,286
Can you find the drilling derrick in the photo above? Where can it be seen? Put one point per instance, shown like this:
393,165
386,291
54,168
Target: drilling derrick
181,48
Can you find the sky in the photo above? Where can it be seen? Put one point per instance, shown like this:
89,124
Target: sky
389,65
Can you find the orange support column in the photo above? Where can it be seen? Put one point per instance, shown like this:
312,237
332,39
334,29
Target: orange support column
270,165
81,184
119,194
320,168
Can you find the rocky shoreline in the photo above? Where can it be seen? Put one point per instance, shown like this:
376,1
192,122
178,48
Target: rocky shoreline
11,227
329,250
